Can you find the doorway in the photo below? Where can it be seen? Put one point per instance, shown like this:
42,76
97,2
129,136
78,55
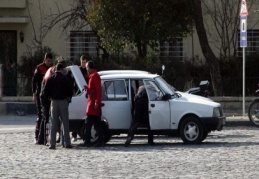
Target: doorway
8,58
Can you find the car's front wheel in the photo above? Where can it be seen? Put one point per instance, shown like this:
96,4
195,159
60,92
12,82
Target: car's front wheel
191,131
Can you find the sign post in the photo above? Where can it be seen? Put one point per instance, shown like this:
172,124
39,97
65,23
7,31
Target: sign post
243,41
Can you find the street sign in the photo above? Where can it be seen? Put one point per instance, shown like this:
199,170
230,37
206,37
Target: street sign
243,8
243,31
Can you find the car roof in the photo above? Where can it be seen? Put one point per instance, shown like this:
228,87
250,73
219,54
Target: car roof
132,76
110,72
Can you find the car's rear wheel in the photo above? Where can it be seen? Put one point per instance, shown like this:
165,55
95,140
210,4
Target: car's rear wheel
191,131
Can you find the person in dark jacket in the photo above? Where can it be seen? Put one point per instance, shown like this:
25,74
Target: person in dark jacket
45,105
83,61
60,90
140,112
39,72
93,109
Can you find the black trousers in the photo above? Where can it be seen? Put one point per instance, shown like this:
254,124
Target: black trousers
43,131
140,113
39,113
96,121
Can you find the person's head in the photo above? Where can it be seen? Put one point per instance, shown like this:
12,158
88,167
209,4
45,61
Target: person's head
83,61
61,60
59,67
90,66
141,89
48,59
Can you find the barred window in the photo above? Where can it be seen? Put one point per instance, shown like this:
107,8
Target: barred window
81,43
175,48
252,43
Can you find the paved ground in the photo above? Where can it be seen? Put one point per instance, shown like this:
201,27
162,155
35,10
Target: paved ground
230,153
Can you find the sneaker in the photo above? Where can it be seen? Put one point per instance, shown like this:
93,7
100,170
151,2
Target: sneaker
74,139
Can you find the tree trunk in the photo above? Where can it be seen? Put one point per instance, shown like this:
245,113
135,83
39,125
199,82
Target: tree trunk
207,52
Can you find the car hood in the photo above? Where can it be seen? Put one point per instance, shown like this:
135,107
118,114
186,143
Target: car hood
197,99
78,76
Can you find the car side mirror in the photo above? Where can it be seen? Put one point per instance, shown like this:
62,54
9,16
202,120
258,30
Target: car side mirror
166,97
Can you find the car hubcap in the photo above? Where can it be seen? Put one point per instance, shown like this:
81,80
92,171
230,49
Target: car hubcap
191,131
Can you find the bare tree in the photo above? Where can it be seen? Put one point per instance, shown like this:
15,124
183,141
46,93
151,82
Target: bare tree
207,52
223,24
73,18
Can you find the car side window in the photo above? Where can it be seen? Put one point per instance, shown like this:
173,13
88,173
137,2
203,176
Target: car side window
114,91
154,93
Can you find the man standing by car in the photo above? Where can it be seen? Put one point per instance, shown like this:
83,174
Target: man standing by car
60,90
39,72
83,61
93,109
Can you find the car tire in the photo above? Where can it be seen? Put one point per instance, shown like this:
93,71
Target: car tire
94,137
191,131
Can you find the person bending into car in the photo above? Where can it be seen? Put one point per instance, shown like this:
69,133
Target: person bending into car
93,109
140,113
45,105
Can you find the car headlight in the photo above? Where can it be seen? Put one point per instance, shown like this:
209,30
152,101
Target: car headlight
217,112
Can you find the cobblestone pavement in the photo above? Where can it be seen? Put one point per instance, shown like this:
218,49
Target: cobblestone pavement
231,153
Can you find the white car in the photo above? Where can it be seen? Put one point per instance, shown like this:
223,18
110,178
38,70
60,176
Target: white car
171,112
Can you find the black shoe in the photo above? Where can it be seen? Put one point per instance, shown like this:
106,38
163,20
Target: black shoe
39,143
68,146
85,145
52,147
151,143
128,141
99,144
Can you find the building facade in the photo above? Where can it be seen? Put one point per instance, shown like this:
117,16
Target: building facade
22,27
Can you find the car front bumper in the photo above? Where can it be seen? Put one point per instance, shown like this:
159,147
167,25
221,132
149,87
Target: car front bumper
213,123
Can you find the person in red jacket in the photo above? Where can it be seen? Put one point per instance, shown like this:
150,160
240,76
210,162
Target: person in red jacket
39,72
93,109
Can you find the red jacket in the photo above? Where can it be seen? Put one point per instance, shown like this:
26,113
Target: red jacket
94,91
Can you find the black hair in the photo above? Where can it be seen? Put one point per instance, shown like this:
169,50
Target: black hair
83,57
48,55
91,64
59,66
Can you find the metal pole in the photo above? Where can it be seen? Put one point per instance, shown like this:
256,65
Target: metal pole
243,81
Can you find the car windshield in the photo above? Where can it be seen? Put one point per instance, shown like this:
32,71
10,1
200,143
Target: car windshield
166,87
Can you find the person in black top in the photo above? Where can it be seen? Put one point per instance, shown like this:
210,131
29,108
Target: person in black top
39,72
83,61
140,113
60,90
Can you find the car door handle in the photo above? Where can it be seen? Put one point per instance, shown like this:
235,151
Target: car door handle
152,105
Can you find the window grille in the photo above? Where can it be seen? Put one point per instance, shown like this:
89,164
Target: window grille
81,43
252,43
175,48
